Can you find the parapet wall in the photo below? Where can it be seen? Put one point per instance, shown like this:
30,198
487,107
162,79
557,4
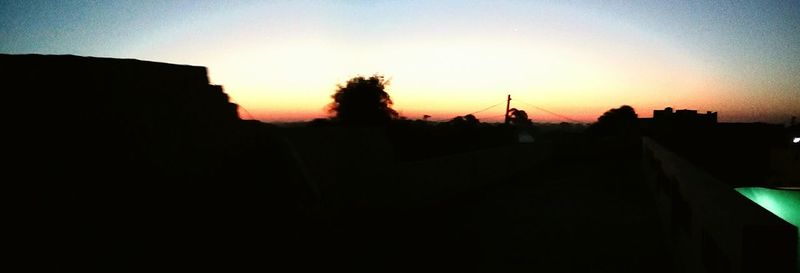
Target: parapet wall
130,165
90,115
714,228
54,86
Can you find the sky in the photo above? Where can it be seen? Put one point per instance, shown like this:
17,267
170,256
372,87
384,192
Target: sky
282,60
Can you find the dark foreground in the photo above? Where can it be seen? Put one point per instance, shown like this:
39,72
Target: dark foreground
579,213
131,166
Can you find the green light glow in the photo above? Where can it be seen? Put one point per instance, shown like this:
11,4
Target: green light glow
783,203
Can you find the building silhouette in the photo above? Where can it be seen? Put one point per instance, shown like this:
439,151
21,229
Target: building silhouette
684,117
740,154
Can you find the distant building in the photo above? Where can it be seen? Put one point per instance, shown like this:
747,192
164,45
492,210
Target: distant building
684,117
740,154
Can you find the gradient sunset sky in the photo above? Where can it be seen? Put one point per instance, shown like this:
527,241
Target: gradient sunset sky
281,60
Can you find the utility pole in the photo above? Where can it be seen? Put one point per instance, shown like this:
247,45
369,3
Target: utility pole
508,104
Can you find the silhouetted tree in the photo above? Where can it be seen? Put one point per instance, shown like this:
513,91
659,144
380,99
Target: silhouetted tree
623,114
468,120
457,120
617,121
471,120
363,102
519,117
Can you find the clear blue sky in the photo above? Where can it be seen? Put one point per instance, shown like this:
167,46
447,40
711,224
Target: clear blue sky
282,60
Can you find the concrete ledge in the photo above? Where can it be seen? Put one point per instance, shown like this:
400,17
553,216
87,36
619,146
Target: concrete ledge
713,227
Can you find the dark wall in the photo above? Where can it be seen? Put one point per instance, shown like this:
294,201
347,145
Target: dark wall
107,110
738,154
131,165
712,227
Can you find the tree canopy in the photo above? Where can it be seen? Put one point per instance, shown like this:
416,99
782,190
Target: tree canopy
363,102
519,117
622,120
623,114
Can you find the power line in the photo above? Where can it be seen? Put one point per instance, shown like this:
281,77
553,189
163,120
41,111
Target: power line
519,101
550,112
495,116
487,108
245,111
472,113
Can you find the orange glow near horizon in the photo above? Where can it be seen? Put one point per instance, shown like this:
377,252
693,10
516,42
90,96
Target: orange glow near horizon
282,61
444,79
